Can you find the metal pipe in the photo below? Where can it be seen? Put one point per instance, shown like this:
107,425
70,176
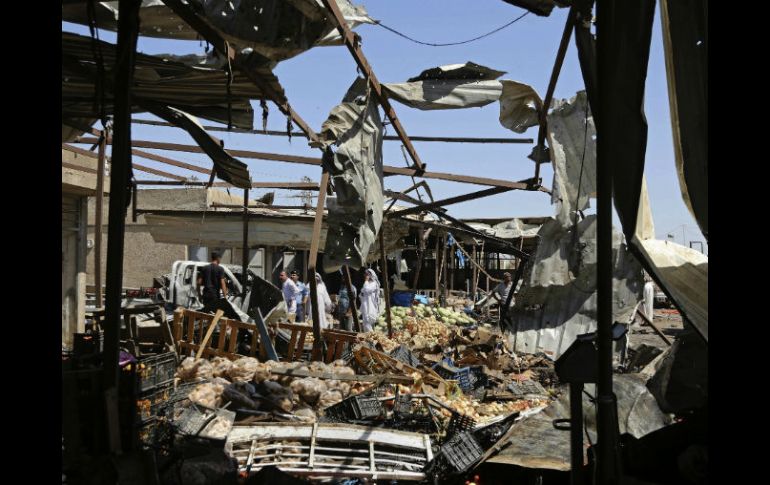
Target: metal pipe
385,284
576,433
606,420
245,250
443,139
99,219
349,286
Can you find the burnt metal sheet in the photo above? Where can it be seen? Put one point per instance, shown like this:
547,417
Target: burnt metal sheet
275,29
557,299
226,166
572,140
197,90
469,85
355,167
534,443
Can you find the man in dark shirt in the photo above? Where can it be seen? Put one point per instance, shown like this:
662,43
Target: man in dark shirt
212,279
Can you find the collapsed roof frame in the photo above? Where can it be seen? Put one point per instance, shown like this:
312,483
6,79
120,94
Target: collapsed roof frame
128,33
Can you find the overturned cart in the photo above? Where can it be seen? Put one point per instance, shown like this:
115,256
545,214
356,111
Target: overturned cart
330,450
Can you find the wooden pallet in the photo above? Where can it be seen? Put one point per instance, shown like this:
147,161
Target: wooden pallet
336,340
191,327
378,363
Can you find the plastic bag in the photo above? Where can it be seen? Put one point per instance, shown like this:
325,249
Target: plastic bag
243,369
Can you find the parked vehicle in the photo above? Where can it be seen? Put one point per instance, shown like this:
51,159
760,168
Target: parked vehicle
180,289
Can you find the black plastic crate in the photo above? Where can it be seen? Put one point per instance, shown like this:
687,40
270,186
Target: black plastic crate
156,370
450,372
148,404
459,423
403,354
356,407
402,404
153,433
461,451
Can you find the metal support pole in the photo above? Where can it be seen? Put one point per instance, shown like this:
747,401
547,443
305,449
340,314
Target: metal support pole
576,433
245,250
606,419
99,219
438,262
128,30
385,284
560,54
313,258
349,286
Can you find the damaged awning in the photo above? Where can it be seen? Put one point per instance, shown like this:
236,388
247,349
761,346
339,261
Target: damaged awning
274,29
185,83
466,86
267,227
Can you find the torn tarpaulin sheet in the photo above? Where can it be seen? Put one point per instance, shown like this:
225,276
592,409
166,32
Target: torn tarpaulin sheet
466,86
355,167
572,137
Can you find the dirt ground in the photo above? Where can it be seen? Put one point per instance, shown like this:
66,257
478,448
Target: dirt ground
668,320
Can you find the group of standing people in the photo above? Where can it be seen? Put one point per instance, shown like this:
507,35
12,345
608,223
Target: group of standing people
297,297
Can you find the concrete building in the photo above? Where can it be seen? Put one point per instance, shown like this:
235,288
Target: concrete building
78,184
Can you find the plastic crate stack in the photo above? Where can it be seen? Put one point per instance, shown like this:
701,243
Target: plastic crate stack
155,385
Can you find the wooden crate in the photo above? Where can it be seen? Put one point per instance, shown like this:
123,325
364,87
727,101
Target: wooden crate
190,327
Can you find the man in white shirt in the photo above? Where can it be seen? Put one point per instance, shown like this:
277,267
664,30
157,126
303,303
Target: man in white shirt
290,292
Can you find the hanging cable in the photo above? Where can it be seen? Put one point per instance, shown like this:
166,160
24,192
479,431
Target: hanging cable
444,44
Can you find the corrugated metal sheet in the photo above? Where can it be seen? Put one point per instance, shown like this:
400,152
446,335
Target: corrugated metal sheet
557,299
198,90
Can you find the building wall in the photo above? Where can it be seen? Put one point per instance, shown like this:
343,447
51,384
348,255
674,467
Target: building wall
143,258
74,208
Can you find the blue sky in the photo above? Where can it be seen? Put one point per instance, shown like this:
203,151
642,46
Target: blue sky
316,80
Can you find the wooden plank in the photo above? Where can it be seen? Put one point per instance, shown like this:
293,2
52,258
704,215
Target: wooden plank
233,340
212,325
300,346
353,310
385,283
331,344
292,344
385,378
340,348
315,240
